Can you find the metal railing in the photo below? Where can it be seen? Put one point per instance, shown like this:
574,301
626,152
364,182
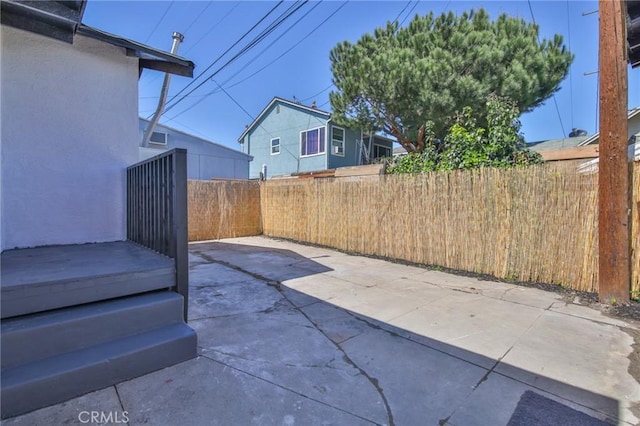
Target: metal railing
157,210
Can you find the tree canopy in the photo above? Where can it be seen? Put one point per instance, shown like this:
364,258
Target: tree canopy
410,82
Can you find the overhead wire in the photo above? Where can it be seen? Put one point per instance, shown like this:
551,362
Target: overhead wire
259,38
570,78
226,51
214,26
198,17
156,76
159,21
291,48
216,90
554,96
402,11
319,93
252,44
409,13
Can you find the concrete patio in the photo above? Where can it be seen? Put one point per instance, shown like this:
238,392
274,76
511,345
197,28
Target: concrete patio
292,334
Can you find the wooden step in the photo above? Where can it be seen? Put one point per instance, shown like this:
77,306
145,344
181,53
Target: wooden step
46,278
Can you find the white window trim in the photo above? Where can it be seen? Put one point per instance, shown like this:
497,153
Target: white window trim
343,142
271,146
325,141
166,137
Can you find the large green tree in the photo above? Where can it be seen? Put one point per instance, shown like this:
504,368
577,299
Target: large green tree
410,82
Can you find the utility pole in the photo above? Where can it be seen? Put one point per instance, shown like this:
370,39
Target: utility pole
613,177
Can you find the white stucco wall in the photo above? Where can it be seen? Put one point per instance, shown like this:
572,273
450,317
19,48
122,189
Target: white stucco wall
69,118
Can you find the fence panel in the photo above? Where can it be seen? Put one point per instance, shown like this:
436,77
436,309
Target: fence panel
532,224
223,209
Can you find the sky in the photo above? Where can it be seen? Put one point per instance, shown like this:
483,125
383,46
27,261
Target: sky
293,60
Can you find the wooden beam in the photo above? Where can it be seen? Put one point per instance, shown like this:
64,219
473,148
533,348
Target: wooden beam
577,153
613,177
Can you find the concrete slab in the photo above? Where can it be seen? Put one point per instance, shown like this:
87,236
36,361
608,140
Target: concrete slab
206,392
476,324
421,386
79,410
282,347
560,349
214,274
494,401
230,299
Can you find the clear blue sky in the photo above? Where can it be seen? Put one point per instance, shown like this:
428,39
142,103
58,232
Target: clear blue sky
303,71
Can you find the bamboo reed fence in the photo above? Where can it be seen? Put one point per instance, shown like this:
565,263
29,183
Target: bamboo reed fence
223,209
528,224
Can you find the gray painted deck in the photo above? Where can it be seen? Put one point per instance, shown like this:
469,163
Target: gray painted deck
78,318
44,278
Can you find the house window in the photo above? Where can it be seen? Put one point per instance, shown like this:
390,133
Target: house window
380,151
337,141
158,138
275,146
312,142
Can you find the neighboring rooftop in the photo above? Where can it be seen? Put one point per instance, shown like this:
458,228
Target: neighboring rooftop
557,143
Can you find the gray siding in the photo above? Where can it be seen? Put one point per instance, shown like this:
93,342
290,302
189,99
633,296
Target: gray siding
205,159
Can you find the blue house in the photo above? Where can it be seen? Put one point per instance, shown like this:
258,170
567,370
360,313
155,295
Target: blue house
290,138
205,159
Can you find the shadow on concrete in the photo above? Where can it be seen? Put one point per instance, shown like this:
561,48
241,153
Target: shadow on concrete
356,364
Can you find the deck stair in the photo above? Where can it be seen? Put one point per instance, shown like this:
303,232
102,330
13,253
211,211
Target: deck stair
80,318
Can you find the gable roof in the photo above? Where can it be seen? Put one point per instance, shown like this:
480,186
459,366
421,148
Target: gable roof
62,19
283,102
593,138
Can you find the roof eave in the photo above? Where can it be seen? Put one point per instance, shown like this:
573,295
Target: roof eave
149,57
54,19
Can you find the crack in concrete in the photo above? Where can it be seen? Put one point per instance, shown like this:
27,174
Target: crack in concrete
374,382
290,390
278,286
115,387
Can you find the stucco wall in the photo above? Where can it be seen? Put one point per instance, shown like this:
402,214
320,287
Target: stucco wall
69,130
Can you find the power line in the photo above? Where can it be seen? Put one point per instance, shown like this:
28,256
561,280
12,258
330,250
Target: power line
554,96
402,11
409,13
319,93
267,65
291,48
159,21
198,17
158,75
225,52
274,41
265,33
212,27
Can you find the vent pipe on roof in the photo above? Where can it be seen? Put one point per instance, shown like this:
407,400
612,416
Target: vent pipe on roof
177,39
